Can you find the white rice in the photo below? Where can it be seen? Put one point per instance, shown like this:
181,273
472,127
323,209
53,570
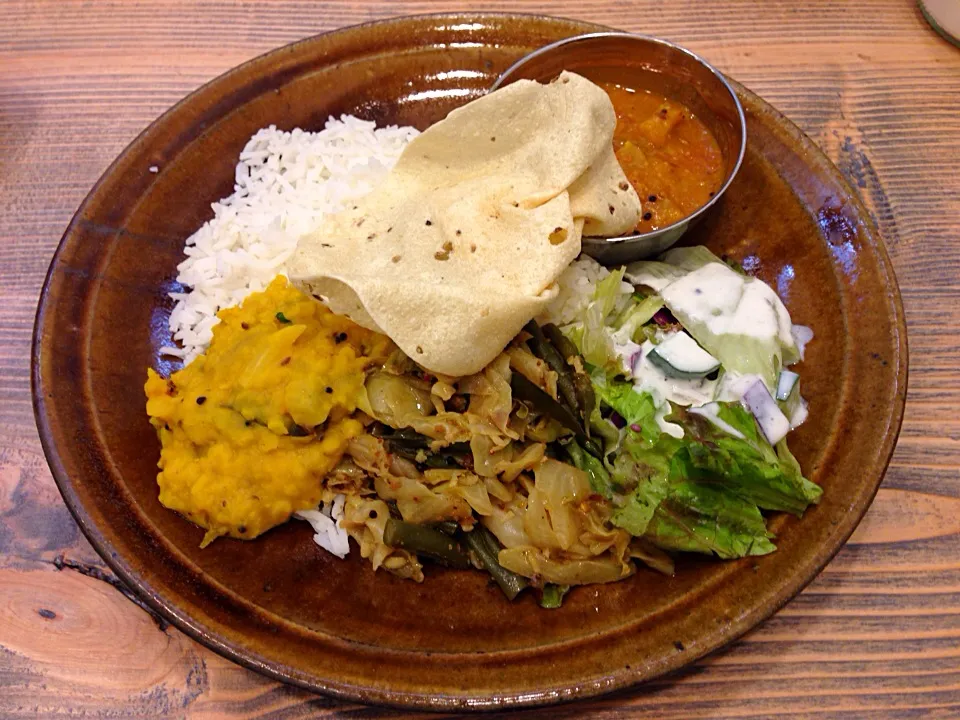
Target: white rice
326,524
285,183
577,284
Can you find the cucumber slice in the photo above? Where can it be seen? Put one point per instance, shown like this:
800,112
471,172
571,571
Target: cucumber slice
786,383
679,356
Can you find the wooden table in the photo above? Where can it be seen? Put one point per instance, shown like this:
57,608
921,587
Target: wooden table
877,634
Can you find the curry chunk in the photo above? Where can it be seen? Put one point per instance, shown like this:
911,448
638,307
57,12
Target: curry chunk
667,153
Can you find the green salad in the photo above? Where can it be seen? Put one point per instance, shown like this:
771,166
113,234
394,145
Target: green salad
693,402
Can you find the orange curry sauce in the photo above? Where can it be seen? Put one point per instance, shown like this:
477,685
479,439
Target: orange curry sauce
668,155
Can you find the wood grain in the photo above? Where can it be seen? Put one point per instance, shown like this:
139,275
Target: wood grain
876,635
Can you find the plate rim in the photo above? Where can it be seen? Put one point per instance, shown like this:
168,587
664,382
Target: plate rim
404,699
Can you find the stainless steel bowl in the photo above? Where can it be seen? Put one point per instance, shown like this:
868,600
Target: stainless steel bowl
648,63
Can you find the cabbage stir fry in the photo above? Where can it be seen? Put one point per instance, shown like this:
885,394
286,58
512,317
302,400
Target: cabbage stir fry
637,420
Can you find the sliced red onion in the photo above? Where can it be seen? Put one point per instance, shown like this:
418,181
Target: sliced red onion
617,420
628,353
773,423
663,317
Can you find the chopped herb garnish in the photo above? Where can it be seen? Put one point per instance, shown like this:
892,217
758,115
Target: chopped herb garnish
283,318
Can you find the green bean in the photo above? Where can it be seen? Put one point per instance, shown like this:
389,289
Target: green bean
442,462
549,354
541,401
560,341
449,458
424,540
575,387
410,453
591,447
582,383
568,391
448,527
552,595
406,436
600,481
536,338
586,397
486,547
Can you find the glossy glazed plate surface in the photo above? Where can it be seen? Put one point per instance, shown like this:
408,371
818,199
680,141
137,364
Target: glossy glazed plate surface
281,606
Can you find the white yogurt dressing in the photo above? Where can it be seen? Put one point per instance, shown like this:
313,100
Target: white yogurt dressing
628,352
727,303
696,393
720,307
649,378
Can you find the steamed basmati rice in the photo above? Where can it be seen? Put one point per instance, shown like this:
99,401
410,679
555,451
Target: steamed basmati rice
285,183
576,284
326,524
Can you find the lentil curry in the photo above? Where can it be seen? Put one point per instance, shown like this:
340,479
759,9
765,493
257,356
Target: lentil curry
247,428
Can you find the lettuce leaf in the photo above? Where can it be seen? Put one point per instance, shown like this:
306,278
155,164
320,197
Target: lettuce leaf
643,463
648,471
673,509
652,274
702,518
750,467
700,493
675,512
628,325
670,267
602,428
613,319
704,492
641,505
634,407
593,336
689,259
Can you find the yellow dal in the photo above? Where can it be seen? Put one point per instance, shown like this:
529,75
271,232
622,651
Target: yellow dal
249,429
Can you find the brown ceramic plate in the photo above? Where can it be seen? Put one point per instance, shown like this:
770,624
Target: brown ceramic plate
282,607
